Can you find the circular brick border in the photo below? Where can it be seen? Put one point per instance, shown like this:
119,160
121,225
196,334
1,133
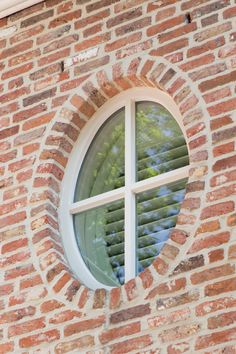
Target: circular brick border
63,131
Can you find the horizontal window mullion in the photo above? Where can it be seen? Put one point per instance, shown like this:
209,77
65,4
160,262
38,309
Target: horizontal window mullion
98,200
160,180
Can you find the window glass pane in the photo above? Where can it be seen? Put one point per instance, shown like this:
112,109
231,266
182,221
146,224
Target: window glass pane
100,237
157,212
160,144
103,167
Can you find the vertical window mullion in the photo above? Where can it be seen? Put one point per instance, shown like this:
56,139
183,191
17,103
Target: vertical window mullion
130,171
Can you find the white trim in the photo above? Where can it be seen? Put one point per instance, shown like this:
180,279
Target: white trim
67,206
9,7
130,172
97,201
160,180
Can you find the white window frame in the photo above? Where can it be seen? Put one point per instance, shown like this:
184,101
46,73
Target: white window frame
68,208
8,7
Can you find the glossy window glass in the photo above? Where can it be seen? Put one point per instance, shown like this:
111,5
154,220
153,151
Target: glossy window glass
100,237
157,212
103,166
160,143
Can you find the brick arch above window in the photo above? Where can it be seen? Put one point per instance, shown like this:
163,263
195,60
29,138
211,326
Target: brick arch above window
59,138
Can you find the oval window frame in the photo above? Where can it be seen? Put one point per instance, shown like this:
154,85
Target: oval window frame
87,134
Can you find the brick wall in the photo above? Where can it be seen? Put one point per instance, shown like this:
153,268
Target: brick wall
59,62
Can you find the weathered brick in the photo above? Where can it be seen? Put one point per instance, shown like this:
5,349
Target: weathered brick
80,343
177,300
220,287
61,20
215,305
119,332
132,312
39,97
84,325
179,332
18,48
131,344
26,327
212,273
36,339
16,315
215,338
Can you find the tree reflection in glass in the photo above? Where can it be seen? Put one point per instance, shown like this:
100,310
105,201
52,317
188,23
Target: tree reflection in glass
160,144
103,167
157,211
100,237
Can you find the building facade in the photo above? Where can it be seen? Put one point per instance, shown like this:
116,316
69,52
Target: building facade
61,62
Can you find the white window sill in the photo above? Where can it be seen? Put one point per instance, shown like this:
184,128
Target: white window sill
9,7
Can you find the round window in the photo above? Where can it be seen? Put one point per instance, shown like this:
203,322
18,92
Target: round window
130,183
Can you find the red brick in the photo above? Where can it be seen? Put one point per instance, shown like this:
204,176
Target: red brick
155,5
217,210
133,26
220,287
223,107
16,315
67,18
178,32
131,345
222,320
64,316
163,320
204,60
18,48
126,16
14,245
209,274
22,58
182,299
147,278
171,47
212,32
210,241
84,325
217,81
222,192
232,252
13,95
224,164
215,305
37,339
133,312
6,347
166,25
123,42
215,338
5,133
167,288
31,281
216,255
179,332
119,332
19,271
231,220
229,13
217,95
17,71
80,343
26,34
12,219
205,47
15,258
26,327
